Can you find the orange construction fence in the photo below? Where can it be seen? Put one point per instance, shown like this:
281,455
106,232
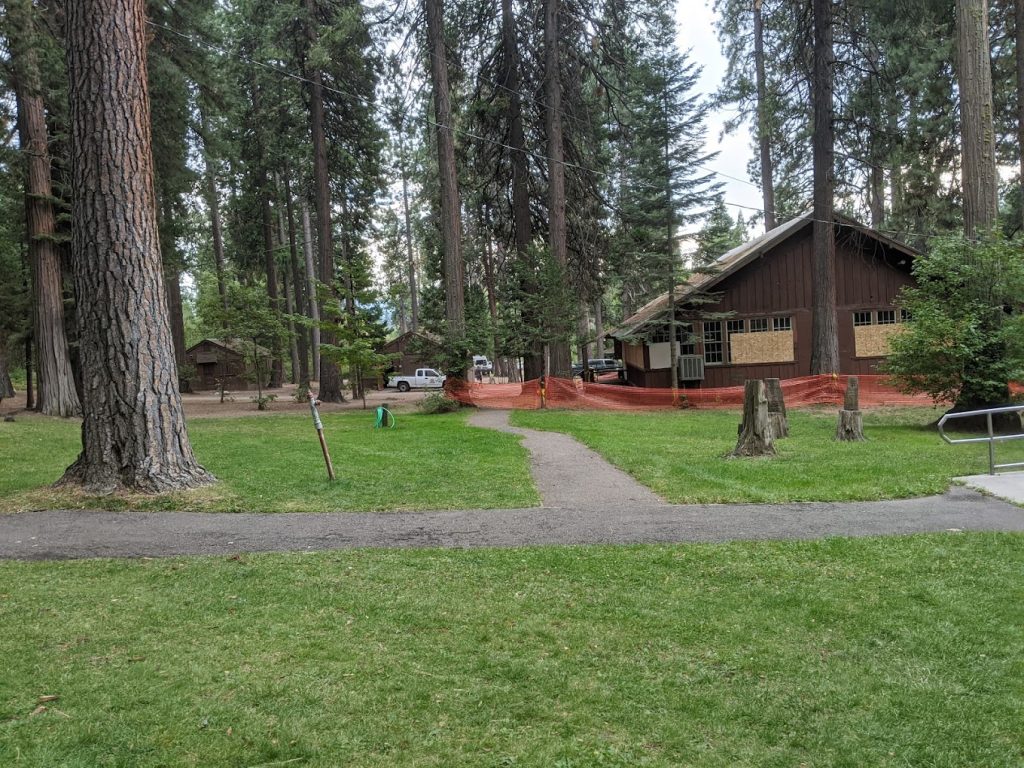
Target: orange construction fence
875,391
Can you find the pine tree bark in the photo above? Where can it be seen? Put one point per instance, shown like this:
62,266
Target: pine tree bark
301,338
213,206
763,134
850,426
311,295
172,285
978,144
755,433
6,385
560,364
289,300
56,394
270,267
133,431
330,375
451,217
1018,16
522,224
824,328
414,299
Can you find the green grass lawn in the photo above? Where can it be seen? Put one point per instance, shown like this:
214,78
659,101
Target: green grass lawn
273,463
902,651
680,455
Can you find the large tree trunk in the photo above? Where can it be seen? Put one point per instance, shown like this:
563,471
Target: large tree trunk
763,133
824,330
6,385
522,225
289,300
301,338
451,217
213,206
978,143
560,363
330,376
270,266
56,386
133,431
1018,14
314,301
414,300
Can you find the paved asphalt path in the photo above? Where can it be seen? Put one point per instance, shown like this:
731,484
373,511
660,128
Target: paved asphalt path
580,507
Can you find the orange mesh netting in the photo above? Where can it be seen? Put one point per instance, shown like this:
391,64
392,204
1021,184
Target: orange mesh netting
875,391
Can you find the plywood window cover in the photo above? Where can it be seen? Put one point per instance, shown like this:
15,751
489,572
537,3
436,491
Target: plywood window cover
873,340
764,347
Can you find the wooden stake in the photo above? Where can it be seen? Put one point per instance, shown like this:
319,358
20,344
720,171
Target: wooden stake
313,402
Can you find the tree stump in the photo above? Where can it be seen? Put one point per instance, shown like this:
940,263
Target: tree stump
850,428
756,431
776,408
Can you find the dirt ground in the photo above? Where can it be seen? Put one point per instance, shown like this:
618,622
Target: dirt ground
204,405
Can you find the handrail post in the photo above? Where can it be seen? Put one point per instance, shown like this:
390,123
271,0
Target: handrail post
991,445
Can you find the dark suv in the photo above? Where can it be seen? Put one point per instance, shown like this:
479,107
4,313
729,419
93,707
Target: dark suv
599,365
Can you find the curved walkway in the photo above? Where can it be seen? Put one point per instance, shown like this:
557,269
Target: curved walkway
586,501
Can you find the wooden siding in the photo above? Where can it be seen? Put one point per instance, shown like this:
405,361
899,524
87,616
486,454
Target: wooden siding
869,276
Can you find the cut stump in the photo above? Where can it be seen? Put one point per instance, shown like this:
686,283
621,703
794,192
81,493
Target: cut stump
776,408
756,431
850,428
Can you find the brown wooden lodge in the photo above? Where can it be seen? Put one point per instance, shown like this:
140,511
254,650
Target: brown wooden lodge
749,317
227,360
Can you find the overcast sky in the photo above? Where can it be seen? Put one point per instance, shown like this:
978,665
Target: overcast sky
696,32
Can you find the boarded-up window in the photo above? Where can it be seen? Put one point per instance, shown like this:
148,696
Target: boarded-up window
873,340
764,347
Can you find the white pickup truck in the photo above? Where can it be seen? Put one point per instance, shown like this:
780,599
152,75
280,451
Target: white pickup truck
425,378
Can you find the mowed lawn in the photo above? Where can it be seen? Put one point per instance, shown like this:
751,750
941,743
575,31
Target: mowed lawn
680,454
273,464
845,652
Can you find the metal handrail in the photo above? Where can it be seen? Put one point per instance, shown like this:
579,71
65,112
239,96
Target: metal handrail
990,438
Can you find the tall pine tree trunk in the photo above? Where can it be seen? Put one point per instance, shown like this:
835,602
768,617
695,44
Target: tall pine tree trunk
133,431
301,337
451,216
289,300
763,133
172,282
213,206
56,384
560,364
1018,15
978,144
270,267
824,330
311,294
330,376
522,225
414,302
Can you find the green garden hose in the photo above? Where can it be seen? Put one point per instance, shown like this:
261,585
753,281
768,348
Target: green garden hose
385,418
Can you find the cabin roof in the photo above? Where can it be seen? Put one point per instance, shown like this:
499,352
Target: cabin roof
733,261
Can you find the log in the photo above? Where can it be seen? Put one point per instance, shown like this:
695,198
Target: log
776,408
850,427
756,432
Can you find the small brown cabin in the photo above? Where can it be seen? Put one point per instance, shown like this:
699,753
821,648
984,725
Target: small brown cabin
230,360
749,317
412,350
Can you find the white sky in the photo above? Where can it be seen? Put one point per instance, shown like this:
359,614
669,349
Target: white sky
695,32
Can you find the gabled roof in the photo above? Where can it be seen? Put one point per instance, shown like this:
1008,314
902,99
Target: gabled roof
237,346
425,337
735,260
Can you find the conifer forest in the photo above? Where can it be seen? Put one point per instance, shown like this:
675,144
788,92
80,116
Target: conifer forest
510,177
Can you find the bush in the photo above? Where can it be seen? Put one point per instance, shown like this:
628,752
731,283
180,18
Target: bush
439,402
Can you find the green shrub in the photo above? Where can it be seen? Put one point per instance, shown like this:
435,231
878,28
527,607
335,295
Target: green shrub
439,402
